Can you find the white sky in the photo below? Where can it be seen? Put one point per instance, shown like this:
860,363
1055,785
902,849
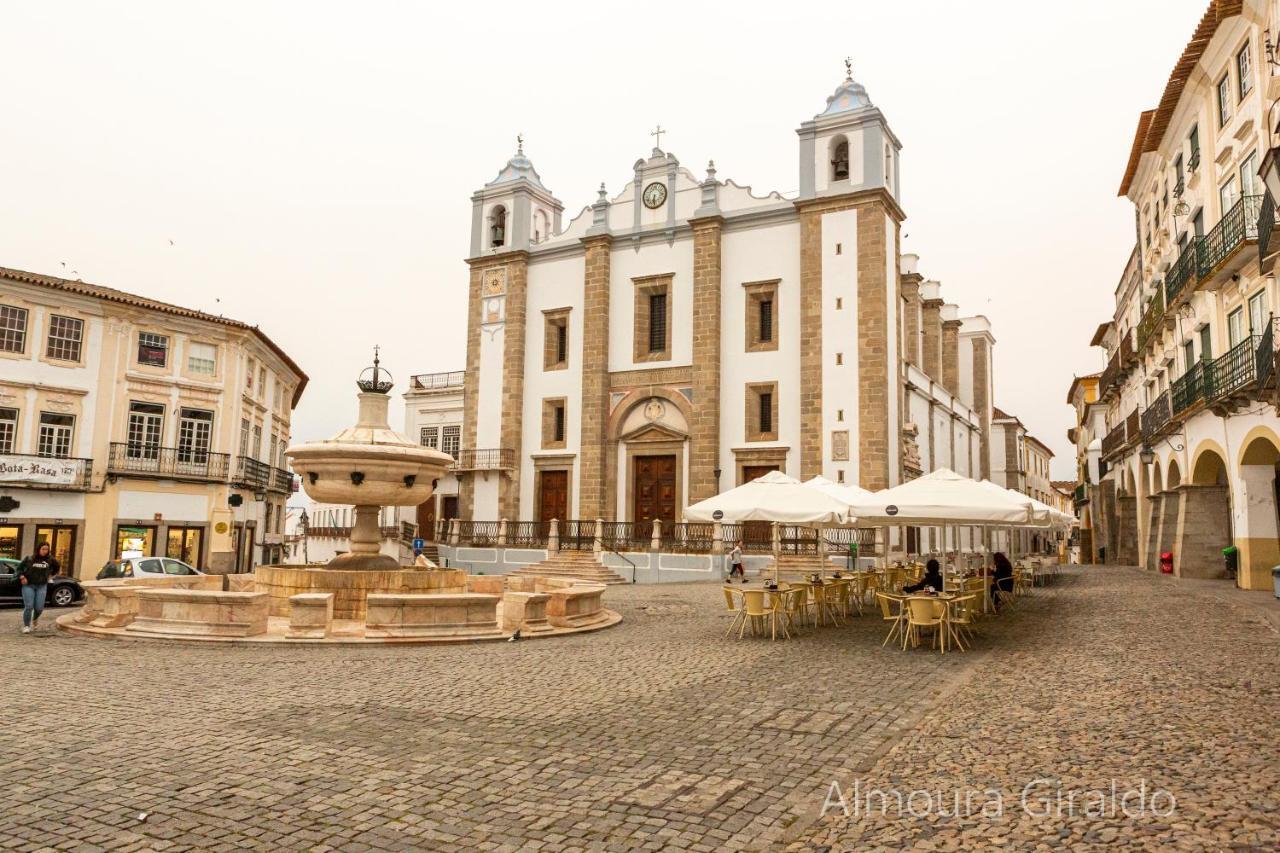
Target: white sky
313,162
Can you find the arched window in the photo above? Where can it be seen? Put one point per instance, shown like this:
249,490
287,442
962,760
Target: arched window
539,226
498,226
840,160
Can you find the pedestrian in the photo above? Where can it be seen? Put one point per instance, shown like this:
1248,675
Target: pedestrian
1002,579
33,575
735,563
932,579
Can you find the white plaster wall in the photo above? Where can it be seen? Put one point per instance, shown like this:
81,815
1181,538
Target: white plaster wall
45,504
840,335
823,154
174,506
553,284
918,412
489,388
965,351
627,263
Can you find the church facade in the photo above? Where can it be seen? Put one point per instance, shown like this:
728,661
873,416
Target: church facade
682,336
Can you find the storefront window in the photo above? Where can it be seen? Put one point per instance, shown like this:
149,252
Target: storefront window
135,542
11,541
183,543
62,543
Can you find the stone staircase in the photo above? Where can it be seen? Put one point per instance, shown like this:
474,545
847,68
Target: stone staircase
801,565
582,565
431,552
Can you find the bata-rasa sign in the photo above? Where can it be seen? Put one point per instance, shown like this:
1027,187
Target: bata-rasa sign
28,469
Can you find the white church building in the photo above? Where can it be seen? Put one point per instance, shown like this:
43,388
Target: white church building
681,336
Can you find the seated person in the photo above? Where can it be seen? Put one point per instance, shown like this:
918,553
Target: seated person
932,578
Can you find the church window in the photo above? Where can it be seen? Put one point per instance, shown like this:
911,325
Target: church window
840,160
762,411
839,304
840,476
839,358
840,414
554,423
555,350
761,315
498,227
540,229
888,167
839,248
652,328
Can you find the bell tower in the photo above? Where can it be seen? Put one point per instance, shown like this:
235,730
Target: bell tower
848,146
514,211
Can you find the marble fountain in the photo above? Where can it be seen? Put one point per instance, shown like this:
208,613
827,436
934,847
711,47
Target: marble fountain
361,596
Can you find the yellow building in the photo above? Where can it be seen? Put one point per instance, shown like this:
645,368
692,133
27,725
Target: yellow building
130,426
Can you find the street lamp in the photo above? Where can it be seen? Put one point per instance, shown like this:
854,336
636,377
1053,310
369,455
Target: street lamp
1270,173
1146,455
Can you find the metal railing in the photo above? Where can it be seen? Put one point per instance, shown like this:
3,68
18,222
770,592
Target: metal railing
68,474
251,473
431,381
1232,371
1182,271
281,481
1156,415
627,536
1238,225
1187,389
528,534
1079,494
1152,317
577,535
692,538
484,459
1266,222
755,537
1110,375
795,539
1113,440
151,460
1266,356
478,534
1133,425
1127,352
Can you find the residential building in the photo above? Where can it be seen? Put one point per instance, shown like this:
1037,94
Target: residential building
684,335
1086,436
132,426
1189,456
327,533
433,416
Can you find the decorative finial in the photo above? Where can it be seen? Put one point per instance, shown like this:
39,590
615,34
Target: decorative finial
711,170
848,68
375,383
520,143
656,133
604,195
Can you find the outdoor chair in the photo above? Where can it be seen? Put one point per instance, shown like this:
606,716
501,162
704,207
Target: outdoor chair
798,605
960,618
893,612
925,612
758,613
733,602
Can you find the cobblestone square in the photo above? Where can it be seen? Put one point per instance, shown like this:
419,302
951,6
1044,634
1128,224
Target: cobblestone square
657,734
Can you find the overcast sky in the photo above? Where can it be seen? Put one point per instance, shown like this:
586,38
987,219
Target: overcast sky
313,162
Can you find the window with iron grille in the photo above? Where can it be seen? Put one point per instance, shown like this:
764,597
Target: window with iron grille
451,440
13,329
153,350
65,337
766,320
761,315
262,381
555,350
766,412
761,415
657,322
429,437
55,435
248,375
8,429
202,358
558,429
195,433
146,421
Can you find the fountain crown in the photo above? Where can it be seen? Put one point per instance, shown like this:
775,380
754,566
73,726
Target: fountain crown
371,379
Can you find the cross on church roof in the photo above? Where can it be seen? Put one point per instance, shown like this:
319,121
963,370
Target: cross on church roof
656,133
848,67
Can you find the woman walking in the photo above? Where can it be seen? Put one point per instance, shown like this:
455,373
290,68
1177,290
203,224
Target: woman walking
33,575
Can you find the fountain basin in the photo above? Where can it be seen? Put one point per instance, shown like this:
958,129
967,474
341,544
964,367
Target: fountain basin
351,589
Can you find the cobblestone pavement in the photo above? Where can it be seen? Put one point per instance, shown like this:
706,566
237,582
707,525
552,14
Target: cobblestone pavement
655,734
1126,677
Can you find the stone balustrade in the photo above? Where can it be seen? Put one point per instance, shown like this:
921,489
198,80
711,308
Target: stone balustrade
198,612
459,616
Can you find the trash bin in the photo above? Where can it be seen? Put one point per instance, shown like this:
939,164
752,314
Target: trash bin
1275,579
1230,560
1166,563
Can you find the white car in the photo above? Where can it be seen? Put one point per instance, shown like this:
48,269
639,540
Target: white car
153,567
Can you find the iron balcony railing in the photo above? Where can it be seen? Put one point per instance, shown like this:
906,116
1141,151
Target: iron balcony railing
1182,271
1133,425
480,534
528,534
577,535
1266,357
692,538
484,459
1156,415
1127,352
1237,226
250,473
1232,371
46,472
1151,318
1188,389
754,537
1179,187
1113,440
627,535
1266,222
281,481
1110,375
151,460
432,381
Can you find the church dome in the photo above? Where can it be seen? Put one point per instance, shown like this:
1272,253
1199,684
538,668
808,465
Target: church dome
850,95
519,166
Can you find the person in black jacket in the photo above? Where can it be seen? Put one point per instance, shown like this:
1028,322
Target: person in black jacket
1001,579
33,575
932,578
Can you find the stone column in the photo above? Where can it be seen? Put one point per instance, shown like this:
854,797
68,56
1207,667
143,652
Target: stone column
911,318
1204,526
810,343
878,387
931,338
592,500
1151,541
951,356
513,332
553,537
704,428
655,542
982,401
1165,521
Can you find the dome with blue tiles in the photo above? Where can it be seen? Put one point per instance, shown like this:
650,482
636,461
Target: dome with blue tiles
519,166
850,95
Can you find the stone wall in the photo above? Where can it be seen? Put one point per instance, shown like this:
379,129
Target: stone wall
1204,529
1126,530
592,501
704,429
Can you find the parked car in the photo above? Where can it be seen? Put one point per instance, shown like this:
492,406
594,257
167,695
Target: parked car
153,567
63,591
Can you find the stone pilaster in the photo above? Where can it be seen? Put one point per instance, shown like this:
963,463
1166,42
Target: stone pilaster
1165,521
704,445
1203,530
513,334
931,338
951,355
810,342
592,499
982,401
874,359
470,391
1151,541
911,317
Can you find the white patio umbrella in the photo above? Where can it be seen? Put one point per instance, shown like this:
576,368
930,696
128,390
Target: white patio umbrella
839,491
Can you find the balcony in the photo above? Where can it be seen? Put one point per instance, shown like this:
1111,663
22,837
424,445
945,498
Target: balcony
1182,271
1266,225
251,474
1110,376
1114,440
1133,426
485,459
1220,255
1127,353
1230,378
172,463
45,472
1156,416
281,481
1188,389
1080,495
1151,319
437,381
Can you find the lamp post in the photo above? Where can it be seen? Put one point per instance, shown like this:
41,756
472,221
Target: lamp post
1146,455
